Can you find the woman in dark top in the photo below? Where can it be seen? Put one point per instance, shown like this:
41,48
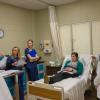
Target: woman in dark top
72,68
31,59
12,62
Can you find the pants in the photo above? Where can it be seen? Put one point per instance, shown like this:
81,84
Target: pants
21,86
60,76
20,83
32,71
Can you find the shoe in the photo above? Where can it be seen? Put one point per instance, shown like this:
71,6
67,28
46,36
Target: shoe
46,79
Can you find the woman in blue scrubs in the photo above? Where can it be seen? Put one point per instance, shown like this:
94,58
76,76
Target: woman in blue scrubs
31,59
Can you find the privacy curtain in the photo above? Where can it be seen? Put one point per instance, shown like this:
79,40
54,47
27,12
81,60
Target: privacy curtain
55,33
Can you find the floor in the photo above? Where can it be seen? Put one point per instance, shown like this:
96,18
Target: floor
91,93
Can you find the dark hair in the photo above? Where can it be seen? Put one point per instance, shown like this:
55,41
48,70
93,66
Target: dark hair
74,53
30,40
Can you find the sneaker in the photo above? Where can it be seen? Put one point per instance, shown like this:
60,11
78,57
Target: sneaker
51,81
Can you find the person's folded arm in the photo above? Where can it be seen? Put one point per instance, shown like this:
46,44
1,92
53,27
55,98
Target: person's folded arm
36,57
32,58
15,63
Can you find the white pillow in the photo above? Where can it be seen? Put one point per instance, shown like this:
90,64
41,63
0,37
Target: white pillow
83,58
67,58
82,61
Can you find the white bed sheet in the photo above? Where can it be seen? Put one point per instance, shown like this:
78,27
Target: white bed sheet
4,91
74,88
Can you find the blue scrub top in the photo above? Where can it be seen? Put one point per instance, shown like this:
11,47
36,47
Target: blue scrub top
32,52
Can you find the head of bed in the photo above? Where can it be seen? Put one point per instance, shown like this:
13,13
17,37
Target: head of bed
86,60
44,92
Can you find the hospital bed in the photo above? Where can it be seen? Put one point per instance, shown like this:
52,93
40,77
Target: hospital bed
45,91
74,88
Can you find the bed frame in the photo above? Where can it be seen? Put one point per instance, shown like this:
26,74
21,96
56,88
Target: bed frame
42,91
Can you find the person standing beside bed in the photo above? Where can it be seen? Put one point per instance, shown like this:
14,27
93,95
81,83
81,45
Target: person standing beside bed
31,59
12,62
72,68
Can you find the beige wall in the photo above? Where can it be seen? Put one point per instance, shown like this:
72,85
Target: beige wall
21,24
42,25
18,25
43,32
80,11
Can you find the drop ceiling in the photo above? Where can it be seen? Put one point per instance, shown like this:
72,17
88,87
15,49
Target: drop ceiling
36,4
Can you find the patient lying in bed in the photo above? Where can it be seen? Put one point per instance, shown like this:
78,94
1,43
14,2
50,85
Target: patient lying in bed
72,68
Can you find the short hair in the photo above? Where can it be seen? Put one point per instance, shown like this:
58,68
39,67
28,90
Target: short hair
30,40
74,53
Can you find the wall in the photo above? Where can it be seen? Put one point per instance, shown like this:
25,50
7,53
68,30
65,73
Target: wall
18,25
43,32
21,24
80,11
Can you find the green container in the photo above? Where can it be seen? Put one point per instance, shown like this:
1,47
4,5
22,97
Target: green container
41,70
